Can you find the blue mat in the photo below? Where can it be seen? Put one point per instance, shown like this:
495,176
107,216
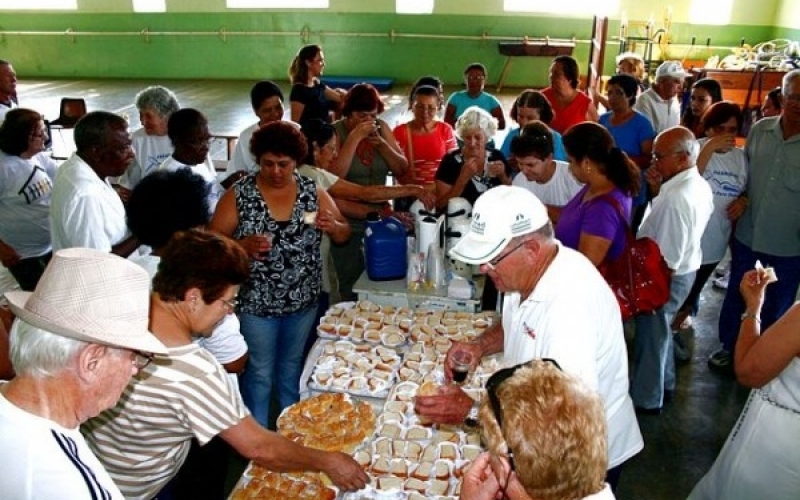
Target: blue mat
345,82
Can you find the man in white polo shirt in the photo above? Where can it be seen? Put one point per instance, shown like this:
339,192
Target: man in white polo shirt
660,103
678,217
556,305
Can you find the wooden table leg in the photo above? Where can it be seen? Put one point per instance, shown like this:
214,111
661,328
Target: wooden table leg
503,73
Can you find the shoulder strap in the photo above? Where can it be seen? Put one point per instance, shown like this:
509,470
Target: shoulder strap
410,145
618,206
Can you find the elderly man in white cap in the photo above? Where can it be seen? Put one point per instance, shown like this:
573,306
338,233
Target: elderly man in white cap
78,339
660,103
556,305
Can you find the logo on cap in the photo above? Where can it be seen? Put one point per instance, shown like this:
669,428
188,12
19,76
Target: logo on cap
478,226
522,224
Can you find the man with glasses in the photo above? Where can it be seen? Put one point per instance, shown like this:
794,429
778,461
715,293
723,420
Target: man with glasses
85,210
79,338
676,221
556,305
545,431
769,229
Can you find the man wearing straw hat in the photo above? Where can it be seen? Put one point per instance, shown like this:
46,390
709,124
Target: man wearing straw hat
79,337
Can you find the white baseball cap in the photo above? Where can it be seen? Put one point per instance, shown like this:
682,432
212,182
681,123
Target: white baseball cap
499,215
671,69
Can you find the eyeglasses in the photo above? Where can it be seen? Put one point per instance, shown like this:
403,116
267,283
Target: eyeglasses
476,77
661,156
492,385
141,359
230,304
492,264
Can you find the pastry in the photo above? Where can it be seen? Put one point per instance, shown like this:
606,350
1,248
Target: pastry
330,422
769,272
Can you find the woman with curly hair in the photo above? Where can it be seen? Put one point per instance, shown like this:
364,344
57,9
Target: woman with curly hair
278,217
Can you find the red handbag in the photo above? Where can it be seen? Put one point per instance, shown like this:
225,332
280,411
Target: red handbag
639,277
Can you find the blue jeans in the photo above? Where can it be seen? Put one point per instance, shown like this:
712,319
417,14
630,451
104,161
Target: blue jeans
779,296
653,350
276,356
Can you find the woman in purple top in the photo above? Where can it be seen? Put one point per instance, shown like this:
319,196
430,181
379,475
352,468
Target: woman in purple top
595,221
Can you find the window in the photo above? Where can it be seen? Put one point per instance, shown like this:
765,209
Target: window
39,5
149,5
414,6
704,12
575,7
277,4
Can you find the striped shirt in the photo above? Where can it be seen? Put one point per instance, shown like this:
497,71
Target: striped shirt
144,440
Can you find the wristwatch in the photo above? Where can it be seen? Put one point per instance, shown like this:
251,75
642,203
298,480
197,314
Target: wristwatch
472,417
752,316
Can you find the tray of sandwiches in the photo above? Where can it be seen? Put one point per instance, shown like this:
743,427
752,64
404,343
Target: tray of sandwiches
260,483
409,459
425,363
365,321
359,369
330,422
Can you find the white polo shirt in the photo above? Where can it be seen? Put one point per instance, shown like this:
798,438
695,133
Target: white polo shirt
85,209
678,218
663,114
573,318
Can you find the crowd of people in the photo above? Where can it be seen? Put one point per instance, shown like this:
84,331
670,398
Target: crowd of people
185,356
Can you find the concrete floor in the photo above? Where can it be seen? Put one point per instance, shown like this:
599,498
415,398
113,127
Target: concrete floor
680,444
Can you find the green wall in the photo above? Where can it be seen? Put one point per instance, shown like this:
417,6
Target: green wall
268,56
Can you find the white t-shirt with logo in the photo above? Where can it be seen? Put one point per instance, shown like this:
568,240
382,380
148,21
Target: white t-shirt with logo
25,189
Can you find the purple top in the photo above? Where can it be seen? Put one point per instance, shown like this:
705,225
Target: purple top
597,217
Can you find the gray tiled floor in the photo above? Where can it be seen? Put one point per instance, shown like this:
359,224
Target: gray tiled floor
680,445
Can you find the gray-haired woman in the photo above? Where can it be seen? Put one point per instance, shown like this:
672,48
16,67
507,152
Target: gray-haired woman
469,171
151,143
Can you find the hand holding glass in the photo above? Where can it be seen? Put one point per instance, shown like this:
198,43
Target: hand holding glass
461,365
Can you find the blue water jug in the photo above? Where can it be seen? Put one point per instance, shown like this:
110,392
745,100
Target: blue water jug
385,248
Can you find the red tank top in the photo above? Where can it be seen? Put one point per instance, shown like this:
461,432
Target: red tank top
565,117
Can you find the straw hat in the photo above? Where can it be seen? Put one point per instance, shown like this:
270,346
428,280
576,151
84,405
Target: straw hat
93,296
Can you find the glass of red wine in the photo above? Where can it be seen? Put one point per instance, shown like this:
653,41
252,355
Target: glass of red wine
462,362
